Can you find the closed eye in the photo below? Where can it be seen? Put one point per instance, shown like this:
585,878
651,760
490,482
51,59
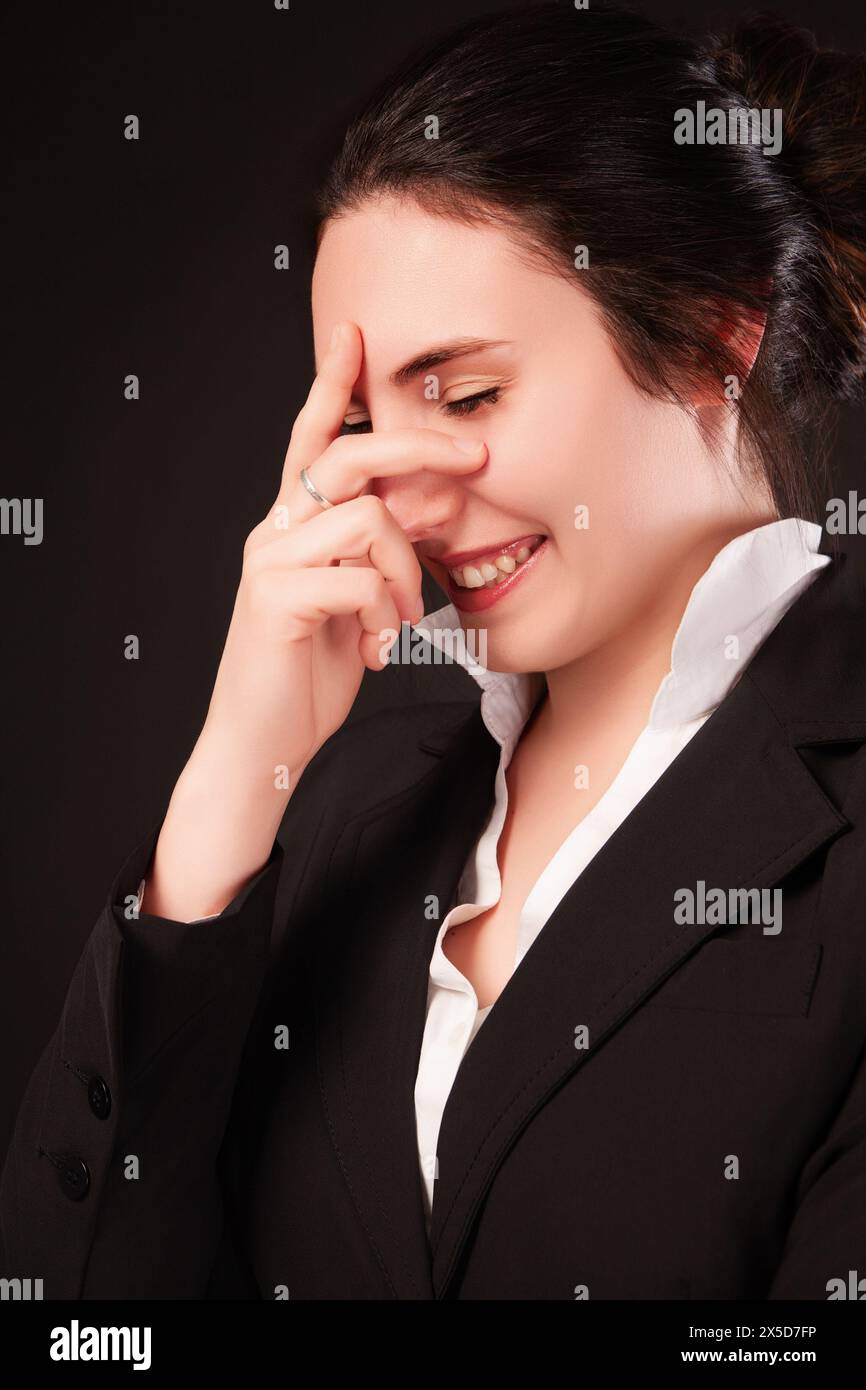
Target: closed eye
466,405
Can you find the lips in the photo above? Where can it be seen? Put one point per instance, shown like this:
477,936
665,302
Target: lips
485,576
491,567
458,560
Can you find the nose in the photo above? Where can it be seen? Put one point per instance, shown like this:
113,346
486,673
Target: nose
421,502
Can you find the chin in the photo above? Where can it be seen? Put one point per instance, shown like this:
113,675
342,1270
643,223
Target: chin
516,652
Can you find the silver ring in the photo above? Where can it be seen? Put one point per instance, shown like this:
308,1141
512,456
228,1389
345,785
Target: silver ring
313,490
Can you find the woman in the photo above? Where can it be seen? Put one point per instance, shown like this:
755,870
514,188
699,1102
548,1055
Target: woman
560,995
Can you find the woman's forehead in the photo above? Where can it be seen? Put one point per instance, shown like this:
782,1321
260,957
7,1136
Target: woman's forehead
408,278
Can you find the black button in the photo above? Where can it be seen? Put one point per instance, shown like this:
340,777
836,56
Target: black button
99,1096
73,1177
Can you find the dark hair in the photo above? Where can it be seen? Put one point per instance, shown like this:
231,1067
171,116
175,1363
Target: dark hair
559,124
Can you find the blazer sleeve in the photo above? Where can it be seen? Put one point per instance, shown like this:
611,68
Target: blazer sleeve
825,1251
110,1187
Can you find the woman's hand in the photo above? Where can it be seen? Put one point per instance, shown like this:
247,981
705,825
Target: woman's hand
318,588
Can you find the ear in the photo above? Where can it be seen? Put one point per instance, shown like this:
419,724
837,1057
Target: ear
740,334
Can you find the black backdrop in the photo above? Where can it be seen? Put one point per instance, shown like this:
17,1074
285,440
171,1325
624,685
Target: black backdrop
155,257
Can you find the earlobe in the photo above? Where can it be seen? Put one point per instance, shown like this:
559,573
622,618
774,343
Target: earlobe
751,335
740,336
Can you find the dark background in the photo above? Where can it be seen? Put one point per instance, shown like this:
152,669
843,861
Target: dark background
156,257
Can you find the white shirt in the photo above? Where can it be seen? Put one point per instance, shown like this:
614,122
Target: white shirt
735,604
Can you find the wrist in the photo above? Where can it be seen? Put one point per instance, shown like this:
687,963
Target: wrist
218,832
255,782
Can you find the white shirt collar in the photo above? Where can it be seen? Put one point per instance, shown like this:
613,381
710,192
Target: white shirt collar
737,601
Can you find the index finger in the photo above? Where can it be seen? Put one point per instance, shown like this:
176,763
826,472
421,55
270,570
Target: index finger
321,417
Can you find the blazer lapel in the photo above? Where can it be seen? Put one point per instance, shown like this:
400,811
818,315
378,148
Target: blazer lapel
402,863
737,808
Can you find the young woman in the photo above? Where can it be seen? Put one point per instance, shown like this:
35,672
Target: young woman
559,995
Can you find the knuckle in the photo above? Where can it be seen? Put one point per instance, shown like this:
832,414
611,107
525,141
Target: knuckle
425,441
257,552
301,420
262,593
371,508
334,451
254,561
420,438
251,546
373,584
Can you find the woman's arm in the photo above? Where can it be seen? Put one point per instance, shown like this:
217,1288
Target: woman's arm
117,1138
112,1165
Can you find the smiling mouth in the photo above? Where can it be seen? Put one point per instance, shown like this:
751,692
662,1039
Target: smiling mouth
487,571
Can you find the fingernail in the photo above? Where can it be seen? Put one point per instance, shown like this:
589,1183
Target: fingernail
469,446
336,336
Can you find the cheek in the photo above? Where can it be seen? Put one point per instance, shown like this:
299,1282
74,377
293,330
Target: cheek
542,454
576,449
606,448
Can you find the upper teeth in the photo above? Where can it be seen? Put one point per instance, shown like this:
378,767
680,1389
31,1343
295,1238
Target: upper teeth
490,572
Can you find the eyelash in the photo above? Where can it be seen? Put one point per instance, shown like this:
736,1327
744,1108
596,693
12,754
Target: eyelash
466,405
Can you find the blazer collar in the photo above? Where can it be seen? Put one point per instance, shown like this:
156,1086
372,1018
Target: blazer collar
610,943
738,599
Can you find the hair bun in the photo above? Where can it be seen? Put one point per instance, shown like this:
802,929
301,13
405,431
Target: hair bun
774,64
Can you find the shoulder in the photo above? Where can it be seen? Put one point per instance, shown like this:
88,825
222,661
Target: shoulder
810,670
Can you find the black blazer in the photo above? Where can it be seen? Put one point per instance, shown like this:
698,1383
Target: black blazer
605,1171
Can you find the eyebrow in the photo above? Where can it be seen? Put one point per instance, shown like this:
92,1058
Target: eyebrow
444,352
